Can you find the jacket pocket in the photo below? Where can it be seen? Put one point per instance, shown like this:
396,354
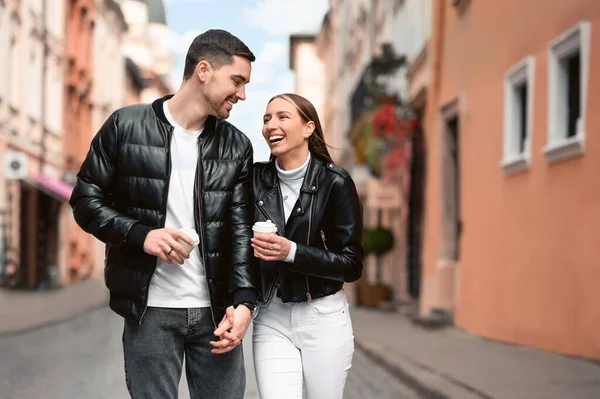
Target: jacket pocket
324,240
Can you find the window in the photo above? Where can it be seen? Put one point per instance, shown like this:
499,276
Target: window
13,73
461,5
568,63
518,116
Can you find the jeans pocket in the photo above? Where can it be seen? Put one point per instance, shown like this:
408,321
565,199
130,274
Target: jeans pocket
330,305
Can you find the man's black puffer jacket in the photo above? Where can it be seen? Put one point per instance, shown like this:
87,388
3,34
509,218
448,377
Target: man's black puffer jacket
121,194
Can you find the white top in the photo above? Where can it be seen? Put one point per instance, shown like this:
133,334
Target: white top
290,183
174,285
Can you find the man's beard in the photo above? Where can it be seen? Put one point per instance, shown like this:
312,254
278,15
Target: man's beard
217,107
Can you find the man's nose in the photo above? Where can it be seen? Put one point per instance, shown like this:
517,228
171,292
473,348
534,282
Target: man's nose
241,94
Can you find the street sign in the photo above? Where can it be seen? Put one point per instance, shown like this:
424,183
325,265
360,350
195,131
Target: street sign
383,196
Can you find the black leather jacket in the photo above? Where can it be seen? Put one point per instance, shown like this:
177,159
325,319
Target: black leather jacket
121,194
326,225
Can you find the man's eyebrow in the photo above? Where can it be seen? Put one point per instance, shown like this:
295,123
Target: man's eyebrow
240,77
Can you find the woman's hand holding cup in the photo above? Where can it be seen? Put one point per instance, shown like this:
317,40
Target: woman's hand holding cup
270,247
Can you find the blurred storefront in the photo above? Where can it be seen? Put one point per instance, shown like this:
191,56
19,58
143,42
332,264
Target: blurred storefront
363,50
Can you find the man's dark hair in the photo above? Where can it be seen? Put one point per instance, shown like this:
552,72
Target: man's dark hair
217,47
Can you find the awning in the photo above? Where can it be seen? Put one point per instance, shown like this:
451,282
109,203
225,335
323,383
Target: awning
55,188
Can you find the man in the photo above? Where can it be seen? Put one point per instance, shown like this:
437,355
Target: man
152,170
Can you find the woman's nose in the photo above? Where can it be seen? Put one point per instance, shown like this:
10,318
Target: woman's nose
270,125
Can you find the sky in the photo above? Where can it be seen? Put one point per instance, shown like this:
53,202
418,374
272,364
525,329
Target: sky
265,27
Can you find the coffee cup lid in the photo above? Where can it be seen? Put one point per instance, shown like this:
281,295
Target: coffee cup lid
192,234
265,227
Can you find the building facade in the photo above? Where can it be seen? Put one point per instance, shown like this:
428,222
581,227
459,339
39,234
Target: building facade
333,67
146,45
511,198
310,71
64,72
81,17
33,209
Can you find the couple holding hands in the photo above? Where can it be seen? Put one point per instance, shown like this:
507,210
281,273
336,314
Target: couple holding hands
172,190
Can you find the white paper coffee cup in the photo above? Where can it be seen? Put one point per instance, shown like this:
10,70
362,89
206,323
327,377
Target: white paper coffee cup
267,227
193,235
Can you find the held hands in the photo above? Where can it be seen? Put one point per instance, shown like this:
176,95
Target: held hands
271,247
231,329
163,243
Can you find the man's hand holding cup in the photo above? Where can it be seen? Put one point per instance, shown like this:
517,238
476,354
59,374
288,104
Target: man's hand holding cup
171,245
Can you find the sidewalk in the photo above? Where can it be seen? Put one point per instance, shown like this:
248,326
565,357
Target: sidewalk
448,363
22,310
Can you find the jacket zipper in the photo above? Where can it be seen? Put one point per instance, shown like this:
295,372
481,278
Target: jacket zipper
308,295
199,195
270,292
324,240
274,283
165,199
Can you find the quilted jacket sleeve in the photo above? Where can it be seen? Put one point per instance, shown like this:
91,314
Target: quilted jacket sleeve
243,273
90,198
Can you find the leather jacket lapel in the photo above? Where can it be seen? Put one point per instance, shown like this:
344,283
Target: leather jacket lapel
271,208
270,205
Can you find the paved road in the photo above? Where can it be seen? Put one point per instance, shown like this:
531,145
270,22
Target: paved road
82,359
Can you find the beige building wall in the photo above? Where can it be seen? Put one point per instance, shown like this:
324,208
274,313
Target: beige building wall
310,77
147,44
31,119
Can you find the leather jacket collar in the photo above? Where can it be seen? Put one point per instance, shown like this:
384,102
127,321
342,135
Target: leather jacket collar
157,106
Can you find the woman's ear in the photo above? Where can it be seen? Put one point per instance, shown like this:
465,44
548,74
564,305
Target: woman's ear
309,129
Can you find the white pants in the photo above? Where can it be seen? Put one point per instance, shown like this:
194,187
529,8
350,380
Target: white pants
303,347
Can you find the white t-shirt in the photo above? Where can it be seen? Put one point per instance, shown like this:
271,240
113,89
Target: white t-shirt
174,285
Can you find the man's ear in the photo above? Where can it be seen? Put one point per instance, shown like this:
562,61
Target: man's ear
203,70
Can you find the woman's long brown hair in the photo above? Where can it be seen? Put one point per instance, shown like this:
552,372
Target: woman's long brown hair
316,142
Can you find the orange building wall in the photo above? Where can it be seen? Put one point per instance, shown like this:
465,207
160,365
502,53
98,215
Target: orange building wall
79,78
529,267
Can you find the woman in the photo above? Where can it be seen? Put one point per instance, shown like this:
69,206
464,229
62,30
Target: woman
303,339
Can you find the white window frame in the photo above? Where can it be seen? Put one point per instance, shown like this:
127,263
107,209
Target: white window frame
515,161
559,146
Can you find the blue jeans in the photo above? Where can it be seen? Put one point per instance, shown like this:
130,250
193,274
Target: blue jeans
155,350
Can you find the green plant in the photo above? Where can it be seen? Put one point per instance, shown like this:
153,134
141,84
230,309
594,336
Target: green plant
378,240
373,155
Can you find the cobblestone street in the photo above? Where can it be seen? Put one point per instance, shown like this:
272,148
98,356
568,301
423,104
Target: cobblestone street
81,358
